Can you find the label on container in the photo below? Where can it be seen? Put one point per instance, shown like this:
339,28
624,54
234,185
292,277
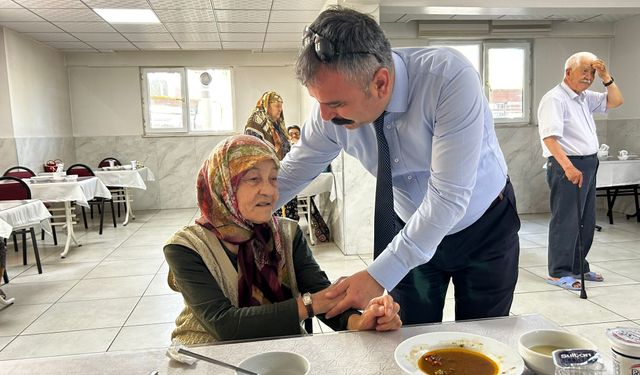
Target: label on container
569,358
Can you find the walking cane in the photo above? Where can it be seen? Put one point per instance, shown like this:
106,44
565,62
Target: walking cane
583,291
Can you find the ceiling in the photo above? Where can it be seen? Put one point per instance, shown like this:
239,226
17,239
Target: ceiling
257,25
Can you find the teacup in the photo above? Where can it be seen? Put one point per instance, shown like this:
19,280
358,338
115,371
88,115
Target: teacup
623,153
604,147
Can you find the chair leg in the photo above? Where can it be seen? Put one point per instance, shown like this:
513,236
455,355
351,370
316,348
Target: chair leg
24,247
113,215
101,208
15,242
35,249
84,217
91,208
5,277
42,235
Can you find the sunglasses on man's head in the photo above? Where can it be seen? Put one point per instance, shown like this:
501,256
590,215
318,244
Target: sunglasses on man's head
324,48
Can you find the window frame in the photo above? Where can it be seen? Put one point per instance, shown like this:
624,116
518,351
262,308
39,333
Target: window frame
186,129
485,45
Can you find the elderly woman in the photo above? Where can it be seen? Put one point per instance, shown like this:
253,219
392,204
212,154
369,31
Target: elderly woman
243,272
267,123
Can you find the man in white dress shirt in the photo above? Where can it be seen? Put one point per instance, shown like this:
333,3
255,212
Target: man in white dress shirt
569,141
452,202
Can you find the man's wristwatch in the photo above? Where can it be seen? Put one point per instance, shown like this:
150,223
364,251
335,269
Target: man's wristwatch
607,84
308,304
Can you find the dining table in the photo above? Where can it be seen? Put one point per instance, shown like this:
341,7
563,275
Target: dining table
127,178
617,178
79,190
340,353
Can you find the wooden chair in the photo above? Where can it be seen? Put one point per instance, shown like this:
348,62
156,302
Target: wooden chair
24,172
83,170
13,188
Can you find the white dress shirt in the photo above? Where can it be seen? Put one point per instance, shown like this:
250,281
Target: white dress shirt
446,163
569,117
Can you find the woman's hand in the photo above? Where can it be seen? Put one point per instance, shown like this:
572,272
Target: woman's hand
380,314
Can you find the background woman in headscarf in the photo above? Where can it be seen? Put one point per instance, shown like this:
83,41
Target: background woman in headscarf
267,123
241,270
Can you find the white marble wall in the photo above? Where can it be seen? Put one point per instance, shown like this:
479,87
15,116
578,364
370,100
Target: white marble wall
8,154
173,160
33,152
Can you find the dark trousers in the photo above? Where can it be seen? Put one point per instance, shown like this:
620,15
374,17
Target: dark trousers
482,260
564,255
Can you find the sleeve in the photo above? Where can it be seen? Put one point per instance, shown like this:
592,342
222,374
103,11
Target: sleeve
315,150
597,101
214,310
550,117
312,279
456,148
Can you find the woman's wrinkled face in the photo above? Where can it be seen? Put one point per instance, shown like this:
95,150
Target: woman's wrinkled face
274,110
257,192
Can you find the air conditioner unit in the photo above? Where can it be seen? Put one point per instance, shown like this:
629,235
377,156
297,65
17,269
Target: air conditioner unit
519,27
452,28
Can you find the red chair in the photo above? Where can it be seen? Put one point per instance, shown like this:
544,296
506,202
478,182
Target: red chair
13,188
105,162
83,170
19,172
117,192
24,172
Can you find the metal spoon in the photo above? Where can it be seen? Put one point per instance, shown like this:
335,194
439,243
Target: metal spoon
216,362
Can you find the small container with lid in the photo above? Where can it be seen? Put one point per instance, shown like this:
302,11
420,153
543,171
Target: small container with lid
625,350
578,362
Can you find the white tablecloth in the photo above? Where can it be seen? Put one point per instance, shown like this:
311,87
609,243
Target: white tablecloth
126,177
81,191
23,213
618,173
321,184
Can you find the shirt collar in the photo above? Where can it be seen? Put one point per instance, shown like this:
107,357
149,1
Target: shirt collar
400,95
572,94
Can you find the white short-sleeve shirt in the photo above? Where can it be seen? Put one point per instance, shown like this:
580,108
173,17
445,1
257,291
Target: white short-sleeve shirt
569,117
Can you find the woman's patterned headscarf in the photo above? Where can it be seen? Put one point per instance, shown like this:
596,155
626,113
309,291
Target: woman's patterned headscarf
261,125
261,263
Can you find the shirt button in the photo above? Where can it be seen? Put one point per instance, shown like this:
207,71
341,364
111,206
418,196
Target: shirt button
396,160
408,178
388,126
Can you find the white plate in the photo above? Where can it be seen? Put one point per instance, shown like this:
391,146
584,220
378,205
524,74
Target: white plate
410,350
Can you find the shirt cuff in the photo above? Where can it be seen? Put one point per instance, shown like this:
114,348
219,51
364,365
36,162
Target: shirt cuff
388,270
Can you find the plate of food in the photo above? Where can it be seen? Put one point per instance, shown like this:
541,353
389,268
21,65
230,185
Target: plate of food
459,353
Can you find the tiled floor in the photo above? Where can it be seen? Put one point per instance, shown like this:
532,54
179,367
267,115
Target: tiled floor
111,293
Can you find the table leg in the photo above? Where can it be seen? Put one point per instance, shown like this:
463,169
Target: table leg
128,207
70,233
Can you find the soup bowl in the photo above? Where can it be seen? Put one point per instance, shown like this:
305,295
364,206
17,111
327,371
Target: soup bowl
276,363
535,348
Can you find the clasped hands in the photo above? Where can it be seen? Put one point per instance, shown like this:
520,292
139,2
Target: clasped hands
360,291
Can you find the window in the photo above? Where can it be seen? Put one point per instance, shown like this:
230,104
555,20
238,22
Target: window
187,100
505,71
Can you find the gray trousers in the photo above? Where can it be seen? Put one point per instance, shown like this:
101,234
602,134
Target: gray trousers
564,255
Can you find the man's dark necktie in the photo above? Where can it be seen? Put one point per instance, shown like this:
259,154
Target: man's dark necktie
384,220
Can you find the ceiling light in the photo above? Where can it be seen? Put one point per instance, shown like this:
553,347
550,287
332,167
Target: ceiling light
128,15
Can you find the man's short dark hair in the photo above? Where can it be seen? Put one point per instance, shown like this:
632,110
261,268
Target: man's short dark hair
293,127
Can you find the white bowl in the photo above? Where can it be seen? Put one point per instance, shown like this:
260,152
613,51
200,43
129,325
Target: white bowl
542,363
276,363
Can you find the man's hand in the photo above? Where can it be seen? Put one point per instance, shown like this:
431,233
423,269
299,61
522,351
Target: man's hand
358,288
381,314
601,69
574,175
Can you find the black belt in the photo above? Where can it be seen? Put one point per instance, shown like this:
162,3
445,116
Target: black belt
592,156
500,196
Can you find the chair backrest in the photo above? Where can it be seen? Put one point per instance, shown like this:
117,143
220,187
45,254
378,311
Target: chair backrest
13,188
105,162
19,172
81,170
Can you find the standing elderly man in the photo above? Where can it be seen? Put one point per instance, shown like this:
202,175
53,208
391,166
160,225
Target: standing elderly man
417,119
569,141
